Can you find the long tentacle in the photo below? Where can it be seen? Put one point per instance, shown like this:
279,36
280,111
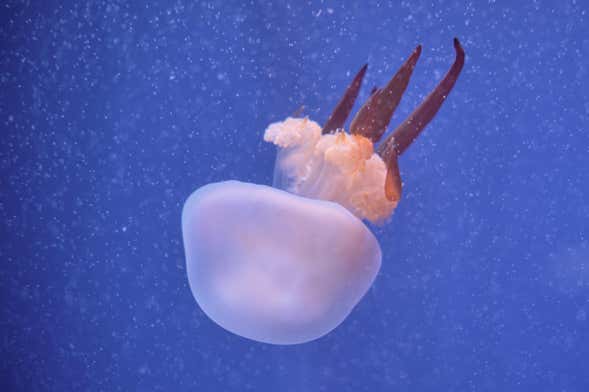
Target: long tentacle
344,107
374,116
410,129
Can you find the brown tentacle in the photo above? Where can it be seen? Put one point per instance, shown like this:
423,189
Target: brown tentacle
298,112
374,116
410,129
344,107
393,186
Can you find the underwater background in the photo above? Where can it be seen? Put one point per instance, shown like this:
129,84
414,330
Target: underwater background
113,112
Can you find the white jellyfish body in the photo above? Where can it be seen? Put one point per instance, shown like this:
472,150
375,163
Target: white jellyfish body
272,266
286,265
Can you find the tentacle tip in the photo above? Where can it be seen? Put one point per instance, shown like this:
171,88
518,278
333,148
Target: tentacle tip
458,46
362,71
414,56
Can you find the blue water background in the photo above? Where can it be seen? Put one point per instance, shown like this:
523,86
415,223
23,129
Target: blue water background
113,112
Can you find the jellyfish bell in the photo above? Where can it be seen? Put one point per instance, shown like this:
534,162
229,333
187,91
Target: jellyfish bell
287,264
273,266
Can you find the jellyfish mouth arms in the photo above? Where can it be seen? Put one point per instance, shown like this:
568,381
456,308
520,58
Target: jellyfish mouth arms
339,167
353,169
374,116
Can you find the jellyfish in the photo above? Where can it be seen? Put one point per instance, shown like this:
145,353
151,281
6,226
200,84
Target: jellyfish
287,264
